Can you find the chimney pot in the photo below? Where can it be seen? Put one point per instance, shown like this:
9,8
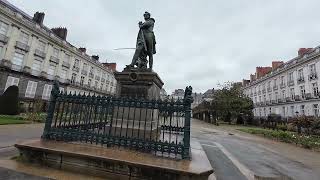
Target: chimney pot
95,57
38,17
60,32
82,49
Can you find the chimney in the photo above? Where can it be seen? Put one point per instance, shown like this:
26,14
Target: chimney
95,57
303,51
38,17
61,32
276,64
112,66
82,49
252,77
261,71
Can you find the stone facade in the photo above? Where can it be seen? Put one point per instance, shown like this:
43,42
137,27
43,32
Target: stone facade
289,88
32,56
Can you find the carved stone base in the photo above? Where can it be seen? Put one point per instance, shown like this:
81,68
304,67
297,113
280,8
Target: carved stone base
133,83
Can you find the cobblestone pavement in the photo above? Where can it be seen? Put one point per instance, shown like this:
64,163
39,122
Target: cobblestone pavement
237,155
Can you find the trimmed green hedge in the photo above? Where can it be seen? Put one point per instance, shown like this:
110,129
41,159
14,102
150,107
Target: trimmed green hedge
306,141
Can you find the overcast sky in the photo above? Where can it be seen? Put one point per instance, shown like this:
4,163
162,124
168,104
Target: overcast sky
199,43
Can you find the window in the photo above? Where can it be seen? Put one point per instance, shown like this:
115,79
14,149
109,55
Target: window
89,82
52,70
264,98
292,110
101,87
81,80
283,94
315,89
302,110
91,70
303,92
55,53
24,37
41,46
270,97
73,78
275,83
85,66
290,76
63,74
276,96
17,59
31,89
312,69
300,74
269,84
67,58
76,63
96,84
3,28
46,91
12,81
282,80
283,111
316,110
1,49
36,65
292,94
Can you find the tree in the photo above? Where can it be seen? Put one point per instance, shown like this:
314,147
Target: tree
9,102
229,102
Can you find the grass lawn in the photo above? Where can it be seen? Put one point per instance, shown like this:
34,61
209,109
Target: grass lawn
306,141
11,120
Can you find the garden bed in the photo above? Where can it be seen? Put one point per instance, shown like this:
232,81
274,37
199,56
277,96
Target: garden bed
7,119
306,141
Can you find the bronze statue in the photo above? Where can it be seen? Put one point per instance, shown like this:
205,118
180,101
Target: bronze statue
146,43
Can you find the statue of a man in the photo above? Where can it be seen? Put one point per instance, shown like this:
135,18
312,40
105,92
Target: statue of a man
146,43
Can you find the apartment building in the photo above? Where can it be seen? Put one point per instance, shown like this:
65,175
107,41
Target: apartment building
287,88
32,56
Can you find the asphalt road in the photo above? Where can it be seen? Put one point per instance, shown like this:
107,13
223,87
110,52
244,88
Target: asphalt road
240,156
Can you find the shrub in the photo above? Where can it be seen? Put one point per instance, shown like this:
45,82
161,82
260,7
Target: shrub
9,103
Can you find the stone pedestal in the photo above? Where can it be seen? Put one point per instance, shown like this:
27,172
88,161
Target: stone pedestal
133,83
134,122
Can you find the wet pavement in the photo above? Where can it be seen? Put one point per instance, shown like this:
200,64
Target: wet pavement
232,154
236,155
8,174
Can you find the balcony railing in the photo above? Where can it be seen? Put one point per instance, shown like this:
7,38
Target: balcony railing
313,76
75,68
54,60
22,46
275,87
300,80
40,53
291,83
84,72
66,64
4,39
16,67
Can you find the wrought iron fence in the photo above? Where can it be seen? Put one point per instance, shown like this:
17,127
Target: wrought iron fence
155,126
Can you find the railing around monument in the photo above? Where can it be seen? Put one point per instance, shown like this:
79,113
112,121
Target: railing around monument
155,126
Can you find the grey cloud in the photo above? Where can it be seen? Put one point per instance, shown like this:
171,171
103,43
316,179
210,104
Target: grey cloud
199,43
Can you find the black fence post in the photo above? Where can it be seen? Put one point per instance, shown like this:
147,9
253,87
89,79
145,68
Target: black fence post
186,136
50,112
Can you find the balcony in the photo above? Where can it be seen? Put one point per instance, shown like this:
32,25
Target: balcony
275,88
39,53
75,68
273,101
297,98
65,81
289,99
269,89
35,72
84,72
50,77
291,83
66,64
54,60
308,96
282,85
300,80
16,67
22,46
4,39
313,76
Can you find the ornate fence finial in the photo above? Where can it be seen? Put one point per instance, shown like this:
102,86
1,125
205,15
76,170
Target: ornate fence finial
188,95
55,90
